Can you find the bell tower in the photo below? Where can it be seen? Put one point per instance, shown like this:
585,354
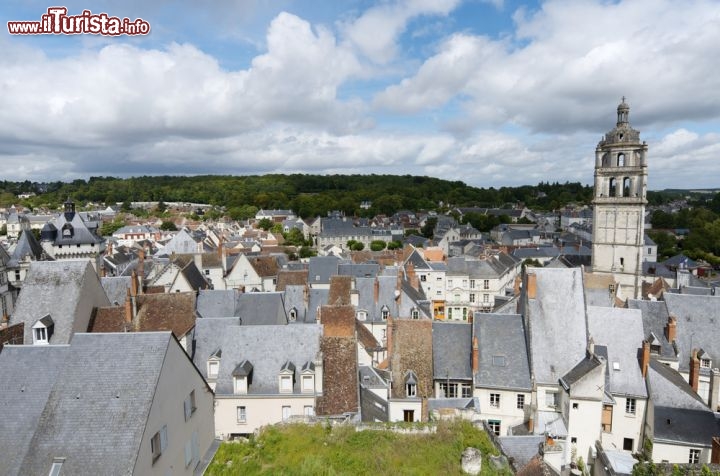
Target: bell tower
619,204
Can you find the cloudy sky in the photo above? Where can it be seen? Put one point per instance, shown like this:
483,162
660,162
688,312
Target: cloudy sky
490,92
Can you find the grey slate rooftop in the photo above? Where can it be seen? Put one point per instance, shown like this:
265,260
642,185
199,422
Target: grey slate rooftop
58,288
621,331
267,348
557,323
452,350
698,318
503,351
59,414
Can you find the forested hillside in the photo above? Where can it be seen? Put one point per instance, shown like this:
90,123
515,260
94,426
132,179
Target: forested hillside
308,195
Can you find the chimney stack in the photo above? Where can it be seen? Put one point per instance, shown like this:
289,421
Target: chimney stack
517,285
531,285
412,277
128,309
475,356
694,370
133,284
376,290
671,329
645,358
714,399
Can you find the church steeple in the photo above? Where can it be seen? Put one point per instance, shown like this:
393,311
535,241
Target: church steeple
619,203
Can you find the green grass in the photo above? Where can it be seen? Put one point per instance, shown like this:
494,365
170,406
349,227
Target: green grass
300,449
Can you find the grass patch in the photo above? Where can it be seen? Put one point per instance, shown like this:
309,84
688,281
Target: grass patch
300,449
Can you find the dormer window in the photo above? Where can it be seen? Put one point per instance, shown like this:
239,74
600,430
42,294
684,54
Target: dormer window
308,377
362,315
242,377
286,379
67,231
42,330
415,314
213,364
292,315
411,385
385,313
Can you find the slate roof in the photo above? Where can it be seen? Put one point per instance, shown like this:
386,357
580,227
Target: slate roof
260,308
698,318
452,350
621,331
503,352
73,419
116,288
216,302
181,243
81,233
364,270
321,268
267,348
556,323
294,298
386,296
27,245
654,319
680,414
28,374
62,289
522,449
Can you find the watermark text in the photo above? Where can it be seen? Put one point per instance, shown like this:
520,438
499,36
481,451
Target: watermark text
57,22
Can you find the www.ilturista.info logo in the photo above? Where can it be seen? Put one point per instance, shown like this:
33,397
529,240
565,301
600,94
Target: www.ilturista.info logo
57,22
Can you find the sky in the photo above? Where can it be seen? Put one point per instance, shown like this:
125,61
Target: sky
489,92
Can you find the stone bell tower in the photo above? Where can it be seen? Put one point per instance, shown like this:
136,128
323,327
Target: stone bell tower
619,204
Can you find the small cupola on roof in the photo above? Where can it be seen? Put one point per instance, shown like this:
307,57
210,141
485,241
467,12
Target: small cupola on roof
623,113
69,209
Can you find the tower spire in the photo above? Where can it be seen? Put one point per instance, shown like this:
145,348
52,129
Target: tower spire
623,113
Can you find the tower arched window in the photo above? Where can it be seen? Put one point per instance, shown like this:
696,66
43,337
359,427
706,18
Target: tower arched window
621,160
613,187
626,187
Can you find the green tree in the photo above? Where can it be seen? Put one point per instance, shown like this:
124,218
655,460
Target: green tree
110,227
168,225
429,228
161,207
394,245
265,224
378,245
277,228
307,252
294,237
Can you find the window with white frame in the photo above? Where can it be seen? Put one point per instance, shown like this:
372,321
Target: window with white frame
285,412
423,278
362,315
486,284
158,443
415,314
630,405
308,383
694,457
213,368
448,390
241,414
495,400
705,363
40,335
472,284
486,298
520,401
385,313
472,297
286,383
308,410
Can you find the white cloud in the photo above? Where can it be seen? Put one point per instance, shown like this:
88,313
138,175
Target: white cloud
376,31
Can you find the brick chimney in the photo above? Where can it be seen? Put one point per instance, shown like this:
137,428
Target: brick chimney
128,309
714,399
694,370
531,285
517,285
645,358
671,329
475,356
133,284
376,290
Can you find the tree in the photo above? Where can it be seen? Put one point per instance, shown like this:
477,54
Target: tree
161,207
277,228
378,245
429,228
355,245
110,227
307,252
265,224
394,245
167,225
